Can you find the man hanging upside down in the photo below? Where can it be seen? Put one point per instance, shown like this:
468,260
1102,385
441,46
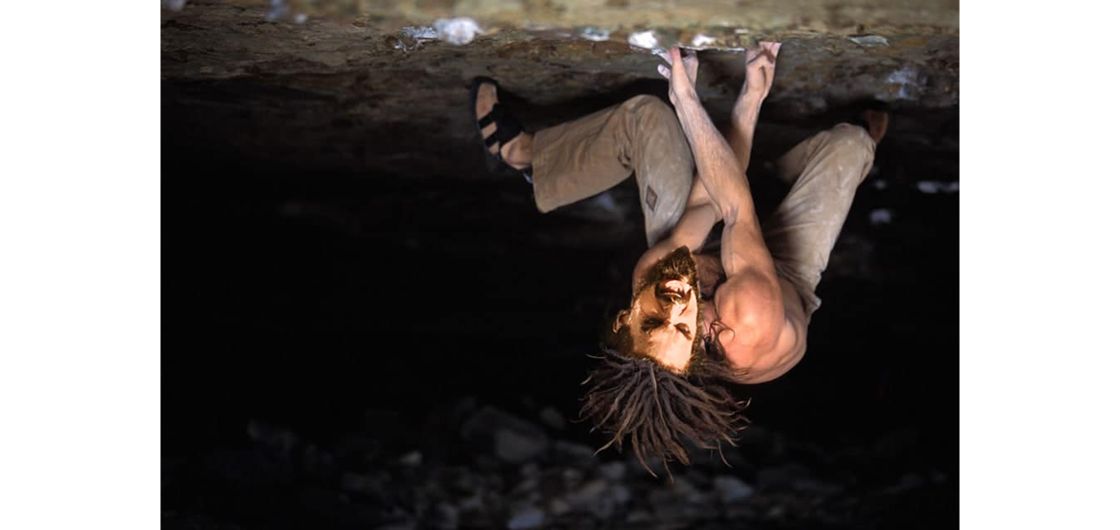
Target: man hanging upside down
696,320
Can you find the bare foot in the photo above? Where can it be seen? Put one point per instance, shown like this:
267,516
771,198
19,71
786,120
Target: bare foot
518,152
877,121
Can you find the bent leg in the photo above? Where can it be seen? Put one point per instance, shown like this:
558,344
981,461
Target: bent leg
800,235
583,157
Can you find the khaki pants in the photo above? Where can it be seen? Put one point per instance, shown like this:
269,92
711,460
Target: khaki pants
587,156
584,157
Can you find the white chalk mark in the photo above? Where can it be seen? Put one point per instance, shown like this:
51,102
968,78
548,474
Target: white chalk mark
701,40
870,40
595,34
643,39
457,31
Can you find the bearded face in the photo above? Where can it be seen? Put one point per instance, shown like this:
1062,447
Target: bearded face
664,315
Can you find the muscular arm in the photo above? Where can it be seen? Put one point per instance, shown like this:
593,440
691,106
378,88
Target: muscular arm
744,251
701,214
691,230
741,134
751,302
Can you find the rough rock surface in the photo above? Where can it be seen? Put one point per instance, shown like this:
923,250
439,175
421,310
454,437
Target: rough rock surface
371,87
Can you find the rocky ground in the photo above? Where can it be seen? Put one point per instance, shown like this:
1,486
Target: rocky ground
494,469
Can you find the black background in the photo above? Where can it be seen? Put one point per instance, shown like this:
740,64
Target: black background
330,304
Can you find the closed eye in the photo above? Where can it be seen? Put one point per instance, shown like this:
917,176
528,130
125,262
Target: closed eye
651,324
684,329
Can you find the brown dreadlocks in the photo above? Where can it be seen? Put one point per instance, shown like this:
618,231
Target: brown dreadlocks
632,396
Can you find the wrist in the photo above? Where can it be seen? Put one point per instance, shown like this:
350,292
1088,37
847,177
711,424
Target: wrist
745,113
749,102
686,95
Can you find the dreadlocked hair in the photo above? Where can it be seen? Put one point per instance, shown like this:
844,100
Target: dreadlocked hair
634,399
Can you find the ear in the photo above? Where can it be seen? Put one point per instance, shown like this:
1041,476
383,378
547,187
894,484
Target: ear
620,320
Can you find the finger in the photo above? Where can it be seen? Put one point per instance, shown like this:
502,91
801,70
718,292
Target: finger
768,53
674,55
772,50
691,67
664,71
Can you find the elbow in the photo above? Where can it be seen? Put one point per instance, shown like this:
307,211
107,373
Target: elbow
730,214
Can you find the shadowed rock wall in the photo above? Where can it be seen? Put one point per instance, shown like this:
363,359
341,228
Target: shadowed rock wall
380,87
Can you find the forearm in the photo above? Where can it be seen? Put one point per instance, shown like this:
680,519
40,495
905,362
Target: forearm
743,248
744,118
716,164
727,186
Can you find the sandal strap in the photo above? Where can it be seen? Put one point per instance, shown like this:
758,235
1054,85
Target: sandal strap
487,119
508,126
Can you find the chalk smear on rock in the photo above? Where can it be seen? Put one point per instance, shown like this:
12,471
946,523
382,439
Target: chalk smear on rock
457,31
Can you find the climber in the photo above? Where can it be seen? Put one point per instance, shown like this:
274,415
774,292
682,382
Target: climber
735,309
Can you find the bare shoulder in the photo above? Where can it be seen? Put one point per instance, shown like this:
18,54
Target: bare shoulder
767,330
750,301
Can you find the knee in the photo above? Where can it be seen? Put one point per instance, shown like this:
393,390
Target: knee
650,107
853,143
652,122
848,152
855,136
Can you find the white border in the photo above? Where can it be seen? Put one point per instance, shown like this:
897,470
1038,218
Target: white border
1039,238
80,268
79,265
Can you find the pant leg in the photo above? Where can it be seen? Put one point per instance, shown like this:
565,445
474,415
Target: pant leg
584,157
801,233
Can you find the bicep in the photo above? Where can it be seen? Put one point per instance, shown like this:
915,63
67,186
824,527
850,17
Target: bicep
752,296
696,222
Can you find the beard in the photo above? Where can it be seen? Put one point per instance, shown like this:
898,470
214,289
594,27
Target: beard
677,265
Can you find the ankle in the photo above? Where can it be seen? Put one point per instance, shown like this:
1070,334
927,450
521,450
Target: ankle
876,123
520,153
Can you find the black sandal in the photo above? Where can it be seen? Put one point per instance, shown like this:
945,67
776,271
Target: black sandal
508,127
